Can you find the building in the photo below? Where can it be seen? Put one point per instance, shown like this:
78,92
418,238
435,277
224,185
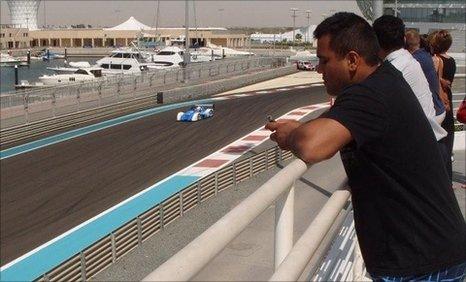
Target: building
120,36
305,33
426,16
24,13
14,38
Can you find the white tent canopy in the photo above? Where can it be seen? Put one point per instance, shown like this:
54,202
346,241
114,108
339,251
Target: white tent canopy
130,24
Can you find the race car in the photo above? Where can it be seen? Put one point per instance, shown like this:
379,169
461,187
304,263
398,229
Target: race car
196,112
305,65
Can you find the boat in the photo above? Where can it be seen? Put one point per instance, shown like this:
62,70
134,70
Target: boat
71,68
25,84
49,55
82,74
168,57
122,61
8,60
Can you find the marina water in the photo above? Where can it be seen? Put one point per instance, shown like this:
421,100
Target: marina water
33,72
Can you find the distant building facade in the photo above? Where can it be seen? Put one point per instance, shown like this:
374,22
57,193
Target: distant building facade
119,36
14,38
305,34
426,16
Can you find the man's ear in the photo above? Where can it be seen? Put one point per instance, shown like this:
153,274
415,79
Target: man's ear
353,60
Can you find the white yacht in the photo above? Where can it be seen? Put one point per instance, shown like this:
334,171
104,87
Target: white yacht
122,61
168,57
71,68
82,74
8,60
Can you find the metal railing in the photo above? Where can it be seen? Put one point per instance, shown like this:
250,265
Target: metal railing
95,258
290,261
55,101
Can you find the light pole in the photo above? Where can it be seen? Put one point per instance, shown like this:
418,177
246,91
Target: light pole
220,11
294,10
186,42
308,16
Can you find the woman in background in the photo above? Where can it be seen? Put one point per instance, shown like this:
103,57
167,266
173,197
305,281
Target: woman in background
440,42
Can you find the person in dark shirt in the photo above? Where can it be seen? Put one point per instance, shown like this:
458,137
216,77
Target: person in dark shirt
407,219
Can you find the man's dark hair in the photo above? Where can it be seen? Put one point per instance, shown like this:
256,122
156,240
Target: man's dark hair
350,32
390,32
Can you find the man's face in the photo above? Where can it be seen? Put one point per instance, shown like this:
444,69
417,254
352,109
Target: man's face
334,70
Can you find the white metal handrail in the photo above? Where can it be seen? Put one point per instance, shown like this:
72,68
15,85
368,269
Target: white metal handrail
295,262
191,259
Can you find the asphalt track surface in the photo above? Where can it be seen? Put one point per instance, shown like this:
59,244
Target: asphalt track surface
48,191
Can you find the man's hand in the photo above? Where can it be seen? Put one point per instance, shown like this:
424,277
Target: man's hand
281,131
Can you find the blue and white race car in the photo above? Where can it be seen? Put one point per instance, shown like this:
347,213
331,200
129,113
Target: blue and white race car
196,112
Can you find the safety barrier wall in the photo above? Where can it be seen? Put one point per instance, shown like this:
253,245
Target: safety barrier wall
47,102
93,259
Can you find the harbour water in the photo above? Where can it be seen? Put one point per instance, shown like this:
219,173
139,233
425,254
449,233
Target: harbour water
33,72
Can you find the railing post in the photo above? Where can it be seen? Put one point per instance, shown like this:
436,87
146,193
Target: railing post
284,214
78,98
26,107
54,104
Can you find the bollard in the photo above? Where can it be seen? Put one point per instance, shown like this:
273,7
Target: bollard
159,97
223,53
48,54
16,75
212,55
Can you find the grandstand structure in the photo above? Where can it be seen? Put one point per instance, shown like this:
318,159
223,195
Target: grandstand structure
23,13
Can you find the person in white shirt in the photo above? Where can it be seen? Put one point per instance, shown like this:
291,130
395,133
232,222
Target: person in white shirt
390,32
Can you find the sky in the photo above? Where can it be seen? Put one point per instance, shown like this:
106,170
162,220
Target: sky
233,13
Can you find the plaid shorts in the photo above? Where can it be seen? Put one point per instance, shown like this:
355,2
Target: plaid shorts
455,273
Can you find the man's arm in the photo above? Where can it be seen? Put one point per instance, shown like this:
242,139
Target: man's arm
318,140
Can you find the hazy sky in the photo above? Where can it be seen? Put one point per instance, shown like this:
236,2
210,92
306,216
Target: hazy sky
209,13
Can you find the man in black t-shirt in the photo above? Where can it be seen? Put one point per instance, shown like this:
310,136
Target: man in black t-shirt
407,219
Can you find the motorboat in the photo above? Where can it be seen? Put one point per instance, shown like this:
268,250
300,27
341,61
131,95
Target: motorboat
220,51
120,61
168,57
49,55
123,61
8,60
82,74
71,68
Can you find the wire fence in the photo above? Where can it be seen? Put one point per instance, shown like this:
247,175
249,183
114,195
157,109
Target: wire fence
70,98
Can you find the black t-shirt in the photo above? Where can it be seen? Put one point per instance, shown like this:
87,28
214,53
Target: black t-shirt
406,215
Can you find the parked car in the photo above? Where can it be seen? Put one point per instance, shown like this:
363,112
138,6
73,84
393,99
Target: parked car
196,112
305,65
